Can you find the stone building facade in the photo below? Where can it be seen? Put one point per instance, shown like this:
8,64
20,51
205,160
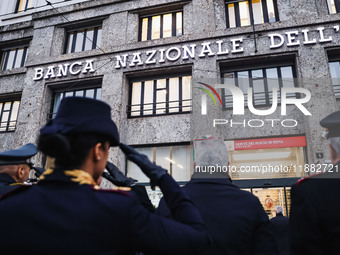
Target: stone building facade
147,59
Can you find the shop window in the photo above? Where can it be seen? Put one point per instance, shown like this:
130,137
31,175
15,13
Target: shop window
335,75
83,39
13,57
244,13
8,114
94,93
161,96
333,6
23,5
161,26
262,81
176,159
267,158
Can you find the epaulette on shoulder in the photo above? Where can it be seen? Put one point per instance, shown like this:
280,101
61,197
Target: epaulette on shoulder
307,178
14,189
119,190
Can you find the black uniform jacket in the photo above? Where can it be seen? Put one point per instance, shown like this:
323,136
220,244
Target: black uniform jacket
315,214
280,226
235,218
62,214
7,183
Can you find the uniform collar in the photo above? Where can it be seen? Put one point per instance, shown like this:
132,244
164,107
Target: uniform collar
75,176
6,179
206,178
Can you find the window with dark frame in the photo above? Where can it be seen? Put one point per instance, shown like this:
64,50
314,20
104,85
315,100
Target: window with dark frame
23,5
83,39
93,92
13,57
262,81
334,67
333,6
248,12
9,110
161,26
151,97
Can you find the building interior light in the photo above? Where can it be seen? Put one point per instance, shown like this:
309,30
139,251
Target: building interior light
261,156
173,162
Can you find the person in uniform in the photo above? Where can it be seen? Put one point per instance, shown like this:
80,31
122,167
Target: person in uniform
67,213
315,207
235,218
15,166
280,226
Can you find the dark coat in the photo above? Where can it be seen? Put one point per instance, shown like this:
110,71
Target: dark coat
280,226
235,218
6,183
60,215
315,215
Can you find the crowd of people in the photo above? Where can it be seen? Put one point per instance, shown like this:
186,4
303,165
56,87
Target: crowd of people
66,211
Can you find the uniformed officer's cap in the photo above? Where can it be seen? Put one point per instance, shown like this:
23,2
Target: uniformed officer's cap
79,115
332,124
19,156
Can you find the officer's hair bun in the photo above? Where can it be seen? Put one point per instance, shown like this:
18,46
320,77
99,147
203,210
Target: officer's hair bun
55,145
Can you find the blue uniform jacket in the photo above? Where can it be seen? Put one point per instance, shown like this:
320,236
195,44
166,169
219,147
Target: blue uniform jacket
64,215
7,183
235,218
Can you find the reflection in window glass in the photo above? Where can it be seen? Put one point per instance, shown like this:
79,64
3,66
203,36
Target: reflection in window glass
245,13
23,5
84,39
161,26
161,96
156,27
144,29
167,25
90,93
331,6
8,115
19,57
186,93
273,83
173,94
79,40
257,10
163,158
13,58
231,14
136,98
334,68
262,81
271,11
148,97
88,41
179,22
176,159
134,171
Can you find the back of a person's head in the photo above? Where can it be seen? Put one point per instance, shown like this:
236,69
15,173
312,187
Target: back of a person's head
278,209
69,151
211,152
80,124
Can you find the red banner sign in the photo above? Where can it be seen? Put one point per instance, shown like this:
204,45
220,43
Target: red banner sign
270,143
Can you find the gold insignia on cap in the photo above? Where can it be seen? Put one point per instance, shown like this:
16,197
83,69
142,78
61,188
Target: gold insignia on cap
81,177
